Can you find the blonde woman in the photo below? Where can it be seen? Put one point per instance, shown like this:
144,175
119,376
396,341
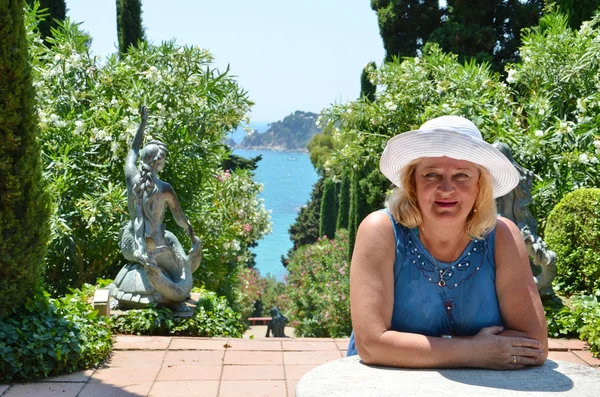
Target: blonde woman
437,279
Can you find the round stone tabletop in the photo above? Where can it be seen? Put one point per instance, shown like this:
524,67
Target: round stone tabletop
350,377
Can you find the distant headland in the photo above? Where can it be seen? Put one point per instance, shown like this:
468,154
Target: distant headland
290,134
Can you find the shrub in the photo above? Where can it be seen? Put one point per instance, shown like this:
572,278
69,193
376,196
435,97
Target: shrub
318,288
53,336
88,112
573,232
213,317
272,295
249,292
579,317
557,105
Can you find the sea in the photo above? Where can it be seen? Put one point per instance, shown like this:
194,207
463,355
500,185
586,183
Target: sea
288,178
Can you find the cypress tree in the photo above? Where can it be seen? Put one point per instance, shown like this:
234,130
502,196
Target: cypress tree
486,31
353,212
328,214
578,10
305,229
344,204
56,10
24,206
129,24
405,25
367,89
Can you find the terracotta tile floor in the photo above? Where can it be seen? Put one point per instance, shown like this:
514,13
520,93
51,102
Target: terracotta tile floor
216,367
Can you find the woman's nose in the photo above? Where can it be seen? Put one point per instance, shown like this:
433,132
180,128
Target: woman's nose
446,185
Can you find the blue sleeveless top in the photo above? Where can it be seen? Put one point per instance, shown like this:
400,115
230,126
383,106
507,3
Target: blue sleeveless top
462,304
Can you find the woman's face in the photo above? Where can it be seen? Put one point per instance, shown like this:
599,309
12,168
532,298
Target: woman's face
446,188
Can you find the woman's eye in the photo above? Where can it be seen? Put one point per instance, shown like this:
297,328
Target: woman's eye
461,176
431,175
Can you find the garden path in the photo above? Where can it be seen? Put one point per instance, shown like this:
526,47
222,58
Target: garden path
216,367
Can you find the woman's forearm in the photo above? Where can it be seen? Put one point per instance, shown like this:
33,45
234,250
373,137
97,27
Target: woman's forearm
407,350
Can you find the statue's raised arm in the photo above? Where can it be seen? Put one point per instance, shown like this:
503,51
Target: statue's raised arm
136,144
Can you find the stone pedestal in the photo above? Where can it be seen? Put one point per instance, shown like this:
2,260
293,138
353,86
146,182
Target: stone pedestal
350,377
102,301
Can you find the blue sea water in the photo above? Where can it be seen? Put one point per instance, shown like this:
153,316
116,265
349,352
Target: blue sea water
288,178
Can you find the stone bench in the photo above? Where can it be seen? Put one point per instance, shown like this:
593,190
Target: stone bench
259,320
350,377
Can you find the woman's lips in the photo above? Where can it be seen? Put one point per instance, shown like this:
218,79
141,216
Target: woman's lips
445,204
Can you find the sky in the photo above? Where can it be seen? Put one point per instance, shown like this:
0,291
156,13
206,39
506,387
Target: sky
289,55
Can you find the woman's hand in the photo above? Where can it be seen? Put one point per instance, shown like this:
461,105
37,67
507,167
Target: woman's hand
495,351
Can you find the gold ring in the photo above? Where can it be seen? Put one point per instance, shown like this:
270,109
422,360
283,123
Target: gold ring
514,360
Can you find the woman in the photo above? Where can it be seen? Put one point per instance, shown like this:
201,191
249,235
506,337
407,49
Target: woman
437,279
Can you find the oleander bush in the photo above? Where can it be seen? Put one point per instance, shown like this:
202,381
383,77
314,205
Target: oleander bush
318,290
213,317
546,109
249,293
88,111
573,232
50,337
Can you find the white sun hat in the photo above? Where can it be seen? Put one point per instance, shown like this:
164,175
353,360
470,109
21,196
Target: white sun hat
448,136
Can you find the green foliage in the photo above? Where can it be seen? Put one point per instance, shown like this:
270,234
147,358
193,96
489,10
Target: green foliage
53,336
405,25
486,31
213,317
235,162
558,106
548,111
328,213
292,133
577,317
573,232
483,30
320,147
129,24
318,290
272,295
249,293
24,204
305,230
353,207
53,10
577,11
88,113
367,88
344,204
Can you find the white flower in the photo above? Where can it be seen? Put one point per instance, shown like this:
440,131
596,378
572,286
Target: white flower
594,160
597,144
391,106
539,133
583,158
510,79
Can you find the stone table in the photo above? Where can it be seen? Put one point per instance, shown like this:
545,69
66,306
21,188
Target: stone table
351,377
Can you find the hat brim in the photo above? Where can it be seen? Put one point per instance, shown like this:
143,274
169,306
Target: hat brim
447,142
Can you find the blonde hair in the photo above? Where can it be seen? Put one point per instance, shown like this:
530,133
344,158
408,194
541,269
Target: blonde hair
402,203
